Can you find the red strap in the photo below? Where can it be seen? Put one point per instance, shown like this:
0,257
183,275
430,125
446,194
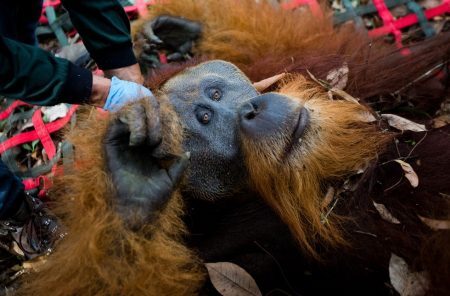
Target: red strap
32,183
5,114
389,22
43,134
162,58
33,135
412,19
41,181
130,9
55,3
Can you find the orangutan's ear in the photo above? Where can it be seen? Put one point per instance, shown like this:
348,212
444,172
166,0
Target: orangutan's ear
266,83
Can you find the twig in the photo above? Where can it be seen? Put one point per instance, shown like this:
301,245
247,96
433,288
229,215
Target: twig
401,178
409,154
325,217
417,144
425,75
278,265
367,233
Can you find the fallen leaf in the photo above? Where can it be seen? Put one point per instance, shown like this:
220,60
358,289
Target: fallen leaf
405,282
403,124
338,78
26,125
385,214
444,195
54,112
230,279
435,224
322,83
441,121
410,174
343,95
35,263
266,83
16,249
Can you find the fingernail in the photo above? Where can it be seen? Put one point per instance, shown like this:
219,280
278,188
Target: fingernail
123,119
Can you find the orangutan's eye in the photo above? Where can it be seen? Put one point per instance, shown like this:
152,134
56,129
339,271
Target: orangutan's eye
215,94
205,118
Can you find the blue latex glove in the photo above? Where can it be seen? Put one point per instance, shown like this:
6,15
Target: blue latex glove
122,92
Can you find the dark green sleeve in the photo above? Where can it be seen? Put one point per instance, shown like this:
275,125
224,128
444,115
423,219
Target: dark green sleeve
105,29
37,77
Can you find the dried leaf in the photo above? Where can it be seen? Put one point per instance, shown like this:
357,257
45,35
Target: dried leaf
435,224
333,90
35,263
385,214
343,95
403,124
266,83
230,279
26,125
338,78
322,83
405,282
16,250
410,174
441,121
54,112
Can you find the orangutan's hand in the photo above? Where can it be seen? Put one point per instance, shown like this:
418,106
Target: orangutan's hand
143,186
173,34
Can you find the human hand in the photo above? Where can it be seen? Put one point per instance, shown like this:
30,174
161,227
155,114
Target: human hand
129,73
122,92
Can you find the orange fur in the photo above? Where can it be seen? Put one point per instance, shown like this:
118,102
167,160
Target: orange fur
244,31
99,255
263,40
337,143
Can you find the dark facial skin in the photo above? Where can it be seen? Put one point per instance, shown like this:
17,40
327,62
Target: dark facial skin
207,98
268,115
273,116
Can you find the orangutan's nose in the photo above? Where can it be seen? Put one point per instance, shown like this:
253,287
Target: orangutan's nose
265,114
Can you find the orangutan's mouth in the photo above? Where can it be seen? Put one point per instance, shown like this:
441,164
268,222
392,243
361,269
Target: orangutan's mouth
299,130
302,124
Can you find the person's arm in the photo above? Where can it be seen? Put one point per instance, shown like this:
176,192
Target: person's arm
37,77
105,29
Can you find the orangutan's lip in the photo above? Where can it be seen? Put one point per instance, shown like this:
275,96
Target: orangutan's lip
303,122
299,130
